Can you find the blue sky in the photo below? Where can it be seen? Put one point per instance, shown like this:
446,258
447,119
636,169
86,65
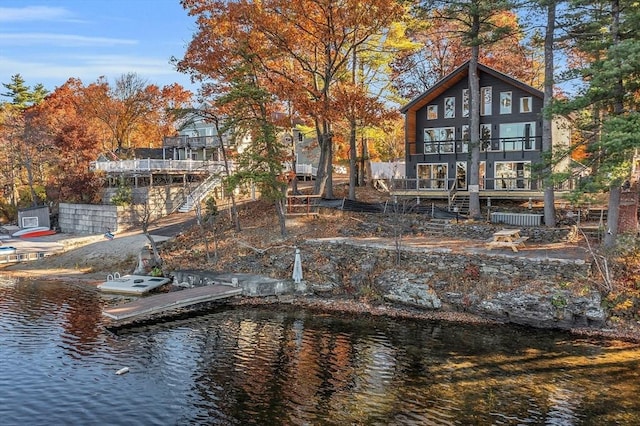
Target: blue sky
50,41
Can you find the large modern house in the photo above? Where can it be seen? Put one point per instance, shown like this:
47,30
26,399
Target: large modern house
437,137
186,169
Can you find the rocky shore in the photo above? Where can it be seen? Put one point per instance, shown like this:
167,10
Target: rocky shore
355,263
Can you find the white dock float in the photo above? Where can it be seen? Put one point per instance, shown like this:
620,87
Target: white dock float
132,284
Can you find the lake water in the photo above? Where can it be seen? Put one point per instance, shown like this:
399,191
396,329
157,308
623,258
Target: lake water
268,367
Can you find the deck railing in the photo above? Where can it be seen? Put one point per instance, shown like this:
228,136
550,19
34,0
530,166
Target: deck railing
153,165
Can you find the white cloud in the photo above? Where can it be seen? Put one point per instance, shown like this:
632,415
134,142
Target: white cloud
56,71
63,40
33,13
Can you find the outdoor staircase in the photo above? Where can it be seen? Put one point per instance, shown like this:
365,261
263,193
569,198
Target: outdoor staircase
199,193
459,202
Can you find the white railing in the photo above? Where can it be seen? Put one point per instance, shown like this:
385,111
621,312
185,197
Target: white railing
200,193
306,170
157,165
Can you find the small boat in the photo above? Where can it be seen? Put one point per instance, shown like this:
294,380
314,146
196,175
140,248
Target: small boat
37,231
132,284
6,250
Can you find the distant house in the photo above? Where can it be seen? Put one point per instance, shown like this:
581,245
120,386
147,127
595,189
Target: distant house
437,135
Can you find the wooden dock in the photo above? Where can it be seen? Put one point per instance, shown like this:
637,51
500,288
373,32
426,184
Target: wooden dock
165,302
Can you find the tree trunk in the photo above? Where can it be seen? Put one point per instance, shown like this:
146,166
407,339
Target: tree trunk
474,131
352,161
613,214
547,121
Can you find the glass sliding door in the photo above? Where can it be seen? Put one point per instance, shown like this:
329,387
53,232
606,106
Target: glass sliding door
432,176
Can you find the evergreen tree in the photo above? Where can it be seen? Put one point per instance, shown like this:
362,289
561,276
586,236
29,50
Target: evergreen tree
22,95
605,34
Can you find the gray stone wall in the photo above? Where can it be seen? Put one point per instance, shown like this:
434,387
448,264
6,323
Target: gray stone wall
91,219
87,218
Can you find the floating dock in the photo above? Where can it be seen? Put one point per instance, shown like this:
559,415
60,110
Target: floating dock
132,284
163,303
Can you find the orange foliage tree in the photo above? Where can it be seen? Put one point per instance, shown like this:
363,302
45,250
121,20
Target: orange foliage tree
302,47
72,139
132,113
443,51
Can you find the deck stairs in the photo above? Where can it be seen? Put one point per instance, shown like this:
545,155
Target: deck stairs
459,202
199,193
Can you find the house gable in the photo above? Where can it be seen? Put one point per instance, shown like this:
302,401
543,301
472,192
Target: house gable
437,133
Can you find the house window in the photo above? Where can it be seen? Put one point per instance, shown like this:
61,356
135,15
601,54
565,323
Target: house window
526,104
449,107
485,137
465,102
432,176
518,136
512,175
486,98
462,145
432,112
482,172
439,140
461,175
505,102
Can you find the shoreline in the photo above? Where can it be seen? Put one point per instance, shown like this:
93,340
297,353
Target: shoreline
341,305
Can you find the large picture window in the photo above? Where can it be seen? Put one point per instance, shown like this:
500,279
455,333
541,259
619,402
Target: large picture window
439,140
512,175
432,176
518,136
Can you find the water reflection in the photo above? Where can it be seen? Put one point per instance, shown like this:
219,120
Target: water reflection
266,366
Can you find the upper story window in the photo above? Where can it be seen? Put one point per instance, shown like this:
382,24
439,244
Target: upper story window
518,136
505,102
439,140
465,102
485,136
449,107
526,104
486,98
432,112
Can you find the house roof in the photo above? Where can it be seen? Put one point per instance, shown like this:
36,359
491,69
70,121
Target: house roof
456,76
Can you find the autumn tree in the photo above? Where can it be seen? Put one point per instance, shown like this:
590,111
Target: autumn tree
229,56
132,112
443,50
303,48
72,138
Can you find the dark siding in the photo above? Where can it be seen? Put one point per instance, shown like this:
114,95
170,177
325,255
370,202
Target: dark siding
495,119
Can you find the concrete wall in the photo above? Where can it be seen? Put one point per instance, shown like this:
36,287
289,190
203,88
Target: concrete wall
98,219
87,218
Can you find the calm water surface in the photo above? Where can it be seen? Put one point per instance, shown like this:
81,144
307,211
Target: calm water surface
261,366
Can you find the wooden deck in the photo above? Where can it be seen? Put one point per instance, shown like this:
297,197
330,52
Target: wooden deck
169,301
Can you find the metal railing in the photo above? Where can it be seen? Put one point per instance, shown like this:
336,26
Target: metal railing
191,142
491,184
158,165
461,146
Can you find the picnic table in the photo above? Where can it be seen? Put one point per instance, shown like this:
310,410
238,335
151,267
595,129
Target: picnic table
507,238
